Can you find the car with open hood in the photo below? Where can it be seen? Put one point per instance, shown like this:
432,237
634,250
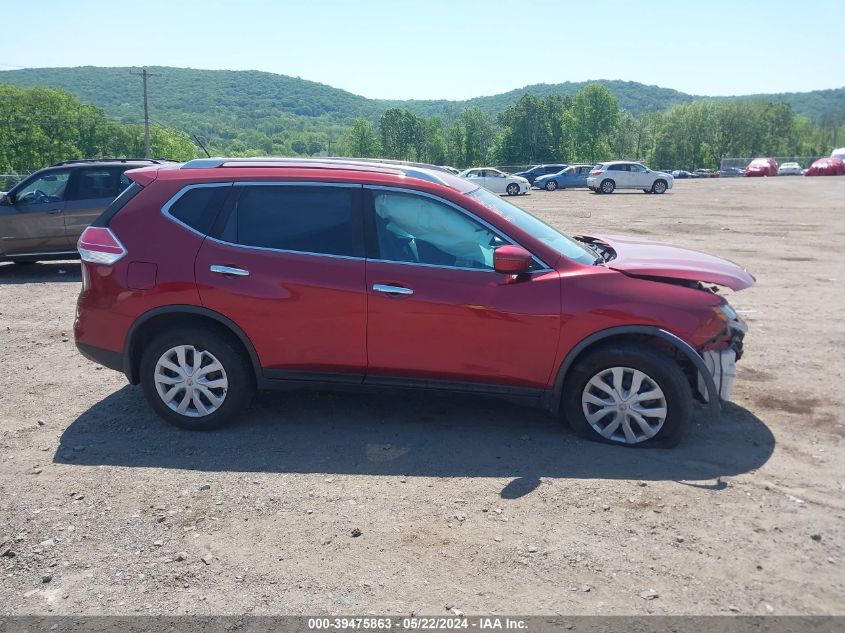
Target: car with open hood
207,281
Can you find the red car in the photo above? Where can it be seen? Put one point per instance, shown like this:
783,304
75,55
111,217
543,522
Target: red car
206,281
762,167
826,167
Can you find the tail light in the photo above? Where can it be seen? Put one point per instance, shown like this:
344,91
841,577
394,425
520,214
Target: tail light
595,172
98,245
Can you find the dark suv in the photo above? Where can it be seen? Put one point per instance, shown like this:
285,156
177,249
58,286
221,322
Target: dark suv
541,170
205,281
43,216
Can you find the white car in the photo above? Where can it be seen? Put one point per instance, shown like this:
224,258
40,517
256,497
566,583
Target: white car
497,181
619,174
790,169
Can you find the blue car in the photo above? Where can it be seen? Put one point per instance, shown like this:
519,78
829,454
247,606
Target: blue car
572,176
541,170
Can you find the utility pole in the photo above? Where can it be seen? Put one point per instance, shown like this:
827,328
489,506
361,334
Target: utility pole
146,74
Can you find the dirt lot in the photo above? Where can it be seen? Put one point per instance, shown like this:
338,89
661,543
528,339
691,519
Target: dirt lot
461,502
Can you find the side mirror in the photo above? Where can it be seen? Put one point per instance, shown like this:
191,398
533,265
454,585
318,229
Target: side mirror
511,260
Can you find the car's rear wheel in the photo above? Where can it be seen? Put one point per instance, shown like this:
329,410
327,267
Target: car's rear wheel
551,185
196,378
607,186
659,186
628,394
513,189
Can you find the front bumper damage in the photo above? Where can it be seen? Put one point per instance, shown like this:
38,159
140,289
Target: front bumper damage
720,357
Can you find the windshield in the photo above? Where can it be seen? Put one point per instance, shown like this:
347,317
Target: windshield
553,238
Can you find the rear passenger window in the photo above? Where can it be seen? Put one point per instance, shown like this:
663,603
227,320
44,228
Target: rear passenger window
322,220
198,207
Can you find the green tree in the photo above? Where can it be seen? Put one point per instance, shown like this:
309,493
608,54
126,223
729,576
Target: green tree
361,140
596,113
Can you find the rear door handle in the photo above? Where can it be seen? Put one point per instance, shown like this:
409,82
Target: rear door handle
392,290
229,271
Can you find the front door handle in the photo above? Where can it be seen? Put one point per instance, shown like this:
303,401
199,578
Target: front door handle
392,290
229,271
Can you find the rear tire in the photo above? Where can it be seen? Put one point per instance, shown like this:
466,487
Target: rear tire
214,396
607,186
659,375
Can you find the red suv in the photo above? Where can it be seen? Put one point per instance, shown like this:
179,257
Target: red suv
206,281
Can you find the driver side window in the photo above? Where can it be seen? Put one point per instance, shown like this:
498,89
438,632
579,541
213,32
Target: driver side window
49,187
419,230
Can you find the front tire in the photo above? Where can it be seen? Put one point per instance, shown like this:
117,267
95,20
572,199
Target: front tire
196,378
631,395
551,185
659,187
512,189
607,186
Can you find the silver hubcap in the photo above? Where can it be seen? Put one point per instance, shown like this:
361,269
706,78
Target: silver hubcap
660,187
512,189
607,187
624,405
191,381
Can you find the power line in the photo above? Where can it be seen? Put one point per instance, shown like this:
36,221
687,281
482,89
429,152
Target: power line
145,75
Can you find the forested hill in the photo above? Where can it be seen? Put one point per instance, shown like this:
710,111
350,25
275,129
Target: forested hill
198,100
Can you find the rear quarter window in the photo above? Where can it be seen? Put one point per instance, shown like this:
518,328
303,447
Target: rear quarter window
198,207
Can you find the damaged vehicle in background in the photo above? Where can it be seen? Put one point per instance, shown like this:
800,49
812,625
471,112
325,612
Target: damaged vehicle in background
208,281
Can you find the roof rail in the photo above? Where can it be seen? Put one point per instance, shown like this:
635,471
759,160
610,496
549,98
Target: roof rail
411,169
74,161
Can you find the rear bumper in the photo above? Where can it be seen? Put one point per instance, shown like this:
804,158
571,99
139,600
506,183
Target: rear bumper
105,357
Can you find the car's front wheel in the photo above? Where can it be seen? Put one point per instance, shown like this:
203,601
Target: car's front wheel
607,186
628,394
659,186
512,189
551,185
196,378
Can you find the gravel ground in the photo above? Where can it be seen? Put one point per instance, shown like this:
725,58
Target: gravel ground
457,502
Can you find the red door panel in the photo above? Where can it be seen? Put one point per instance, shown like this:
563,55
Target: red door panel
464,325
303,313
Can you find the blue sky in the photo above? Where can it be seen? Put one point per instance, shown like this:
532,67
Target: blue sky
447,49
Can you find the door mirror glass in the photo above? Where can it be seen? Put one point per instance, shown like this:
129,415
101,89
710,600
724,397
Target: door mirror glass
511,260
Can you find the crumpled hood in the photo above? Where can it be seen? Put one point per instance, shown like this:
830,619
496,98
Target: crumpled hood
644,258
